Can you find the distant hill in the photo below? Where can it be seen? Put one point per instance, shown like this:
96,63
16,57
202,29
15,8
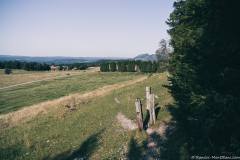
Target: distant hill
55,60
146,57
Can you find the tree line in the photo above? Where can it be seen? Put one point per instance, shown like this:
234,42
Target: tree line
29,66
205,71
133,66
78,66
35,66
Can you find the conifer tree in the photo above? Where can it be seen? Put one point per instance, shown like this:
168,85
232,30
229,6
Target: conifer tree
122,66
131,66
205,72
113,66
104,67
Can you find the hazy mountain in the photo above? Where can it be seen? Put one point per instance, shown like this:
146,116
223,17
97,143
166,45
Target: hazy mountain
146,57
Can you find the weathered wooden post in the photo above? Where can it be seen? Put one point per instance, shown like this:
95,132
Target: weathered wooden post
139,113
148,92
152,108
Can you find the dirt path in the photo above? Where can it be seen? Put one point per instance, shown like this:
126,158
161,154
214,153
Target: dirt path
125,122
117,100
27,113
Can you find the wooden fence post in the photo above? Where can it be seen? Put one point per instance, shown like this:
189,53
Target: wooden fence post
139,113
152,108
148,92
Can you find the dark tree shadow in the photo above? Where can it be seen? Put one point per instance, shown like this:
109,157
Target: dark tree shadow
85,150
134,150
175,145
11,152
157,109
153,152
146,120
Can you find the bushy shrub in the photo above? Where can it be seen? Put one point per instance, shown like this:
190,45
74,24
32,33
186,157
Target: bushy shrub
7,71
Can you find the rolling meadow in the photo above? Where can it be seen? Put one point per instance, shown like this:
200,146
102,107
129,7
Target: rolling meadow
91,130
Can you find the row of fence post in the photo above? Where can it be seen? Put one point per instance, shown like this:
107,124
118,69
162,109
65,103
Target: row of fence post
150,106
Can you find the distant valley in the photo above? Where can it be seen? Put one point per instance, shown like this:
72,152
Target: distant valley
56,59
70,60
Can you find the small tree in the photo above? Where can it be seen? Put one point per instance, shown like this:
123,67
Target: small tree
131,66
149,67
104,67
154,67
113,67
163,52
7,71
122,66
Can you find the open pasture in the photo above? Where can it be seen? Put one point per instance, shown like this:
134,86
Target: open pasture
60,84
22,76
92,130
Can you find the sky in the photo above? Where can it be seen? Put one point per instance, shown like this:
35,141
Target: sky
82,28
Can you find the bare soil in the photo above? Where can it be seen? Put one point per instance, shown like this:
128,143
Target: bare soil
126,123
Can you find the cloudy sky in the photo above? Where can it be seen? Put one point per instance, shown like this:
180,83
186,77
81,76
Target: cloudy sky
115,28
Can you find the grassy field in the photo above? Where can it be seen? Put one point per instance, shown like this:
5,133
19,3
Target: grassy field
91,131
14,98
22,76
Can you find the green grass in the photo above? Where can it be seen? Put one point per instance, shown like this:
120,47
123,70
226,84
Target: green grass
22,76
14,98
90,132
16,71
